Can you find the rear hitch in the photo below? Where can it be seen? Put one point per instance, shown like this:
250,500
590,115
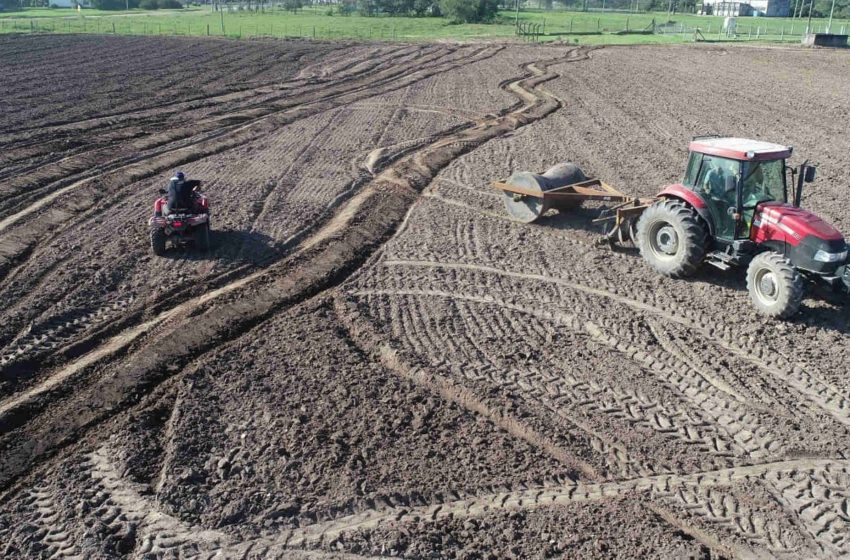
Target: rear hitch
619,223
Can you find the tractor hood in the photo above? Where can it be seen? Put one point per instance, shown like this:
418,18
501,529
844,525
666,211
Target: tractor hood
798,223
808,241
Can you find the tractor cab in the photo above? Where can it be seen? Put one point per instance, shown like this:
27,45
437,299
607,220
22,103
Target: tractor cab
733,176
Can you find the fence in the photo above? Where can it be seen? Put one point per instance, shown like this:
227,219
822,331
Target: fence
689,29
758,30
127,26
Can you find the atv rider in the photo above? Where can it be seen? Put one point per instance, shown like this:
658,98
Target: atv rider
180,195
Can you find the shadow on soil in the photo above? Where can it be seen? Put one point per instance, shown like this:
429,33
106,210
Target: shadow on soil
229,245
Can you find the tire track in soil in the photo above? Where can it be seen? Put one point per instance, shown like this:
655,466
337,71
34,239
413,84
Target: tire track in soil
133,124
80,396
818,391
229,106
46,341
696,511
10,248
122,172
33,136
250,109
746,424
123,507
682,315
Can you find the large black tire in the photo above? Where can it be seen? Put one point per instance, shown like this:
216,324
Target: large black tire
775,286
672,238
202,237
158,239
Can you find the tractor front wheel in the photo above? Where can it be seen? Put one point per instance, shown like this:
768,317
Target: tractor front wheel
672,238
775,286
158,241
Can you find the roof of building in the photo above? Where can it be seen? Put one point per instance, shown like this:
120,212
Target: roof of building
740,148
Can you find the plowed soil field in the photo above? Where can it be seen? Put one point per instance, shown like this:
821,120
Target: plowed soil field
373,360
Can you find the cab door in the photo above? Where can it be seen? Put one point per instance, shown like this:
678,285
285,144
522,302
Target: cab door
717,183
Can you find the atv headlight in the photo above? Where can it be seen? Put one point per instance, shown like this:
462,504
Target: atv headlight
823,256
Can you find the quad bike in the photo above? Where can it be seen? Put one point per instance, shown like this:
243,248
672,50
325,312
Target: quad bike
180,226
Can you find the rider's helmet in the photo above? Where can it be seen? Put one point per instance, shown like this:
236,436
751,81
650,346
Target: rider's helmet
180,176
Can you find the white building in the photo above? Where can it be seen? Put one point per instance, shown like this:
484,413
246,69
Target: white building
69,3
769,8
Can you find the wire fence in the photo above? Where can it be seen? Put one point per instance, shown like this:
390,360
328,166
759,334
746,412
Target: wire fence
754,30
747,29
127,26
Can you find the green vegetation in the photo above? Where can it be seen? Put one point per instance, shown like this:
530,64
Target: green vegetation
314,22
160,4
469,11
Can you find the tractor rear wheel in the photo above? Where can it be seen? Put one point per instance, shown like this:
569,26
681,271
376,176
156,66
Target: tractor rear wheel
672,238
158,238
775,286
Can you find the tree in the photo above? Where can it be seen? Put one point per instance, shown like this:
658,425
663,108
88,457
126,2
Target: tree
293,5
425,8
367,7
114,4
469,11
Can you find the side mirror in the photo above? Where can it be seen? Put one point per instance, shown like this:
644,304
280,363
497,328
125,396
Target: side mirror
809,173
163,191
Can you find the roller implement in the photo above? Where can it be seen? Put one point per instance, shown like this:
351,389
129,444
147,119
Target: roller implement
737,205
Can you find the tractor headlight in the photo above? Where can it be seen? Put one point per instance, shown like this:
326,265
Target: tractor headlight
823,256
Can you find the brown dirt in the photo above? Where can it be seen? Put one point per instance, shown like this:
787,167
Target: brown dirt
374,361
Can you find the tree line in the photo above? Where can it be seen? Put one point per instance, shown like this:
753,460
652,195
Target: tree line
461,11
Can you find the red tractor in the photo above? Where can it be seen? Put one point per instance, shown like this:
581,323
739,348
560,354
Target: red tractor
181,226
738,205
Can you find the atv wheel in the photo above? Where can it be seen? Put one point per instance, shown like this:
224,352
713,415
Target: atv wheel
775,286
202,237
672,238
158,238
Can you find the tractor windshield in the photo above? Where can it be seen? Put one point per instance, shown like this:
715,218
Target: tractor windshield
763,180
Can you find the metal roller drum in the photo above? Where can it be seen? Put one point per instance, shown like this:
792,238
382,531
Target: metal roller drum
524,208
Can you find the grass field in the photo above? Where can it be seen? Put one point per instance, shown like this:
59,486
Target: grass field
581,27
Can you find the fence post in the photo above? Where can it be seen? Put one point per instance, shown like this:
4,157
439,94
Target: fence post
782,34
627,25
208,30
32,26
113,28
571,25
597,25
314,32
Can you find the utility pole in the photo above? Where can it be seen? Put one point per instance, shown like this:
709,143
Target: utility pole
794,9
516,14
829,25
809,24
